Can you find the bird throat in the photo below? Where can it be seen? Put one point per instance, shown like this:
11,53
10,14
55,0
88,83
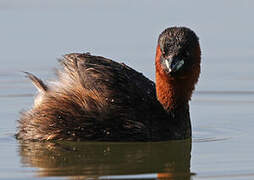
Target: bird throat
173,92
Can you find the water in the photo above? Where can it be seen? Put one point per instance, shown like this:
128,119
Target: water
34,33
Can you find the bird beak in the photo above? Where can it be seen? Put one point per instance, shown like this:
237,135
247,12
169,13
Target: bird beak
173,64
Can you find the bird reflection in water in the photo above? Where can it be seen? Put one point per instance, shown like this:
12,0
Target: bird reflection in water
100,160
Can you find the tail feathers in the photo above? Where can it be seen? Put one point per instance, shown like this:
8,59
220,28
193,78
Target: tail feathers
39,84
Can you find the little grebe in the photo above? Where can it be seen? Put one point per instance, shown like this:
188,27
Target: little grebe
99,99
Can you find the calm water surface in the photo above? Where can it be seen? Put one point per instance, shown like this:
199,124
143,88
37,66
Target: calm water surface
35,33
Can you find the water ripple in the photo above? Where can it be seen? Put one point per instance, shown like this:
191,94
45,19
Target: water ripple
214,134
16,95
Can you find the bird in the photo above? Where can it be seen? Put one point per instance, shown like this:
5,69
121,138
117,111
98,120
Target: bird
97,99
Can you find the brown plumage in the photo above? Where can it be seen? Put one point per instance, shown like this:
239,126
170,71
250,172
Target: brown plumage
98,99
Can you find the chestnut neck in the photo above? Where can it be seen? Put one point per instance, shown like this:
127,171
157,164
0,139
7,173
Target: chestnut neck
175,92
